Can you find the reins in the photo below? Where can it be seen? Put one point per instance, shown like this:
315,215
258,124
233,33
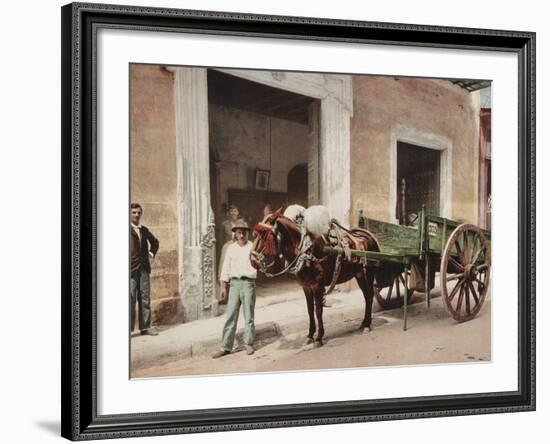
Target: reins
302,256
264,268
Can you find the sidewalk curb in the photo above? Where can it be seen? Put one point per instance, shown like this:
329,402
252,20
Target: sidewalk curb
175,349
265,332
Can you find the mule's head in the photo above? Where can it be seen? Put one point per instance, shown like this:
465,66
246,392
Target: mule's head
266,253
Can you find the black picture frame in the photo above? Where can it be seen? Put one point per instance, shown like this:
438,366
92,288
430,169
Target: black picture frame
80,420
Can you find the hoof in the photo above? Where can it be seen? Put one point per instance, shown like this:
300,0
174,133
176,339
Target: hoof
366,330
317,344
308,341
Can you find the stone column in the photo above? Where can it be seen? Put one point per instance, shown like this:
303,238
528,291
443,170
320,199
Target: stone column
335,158
196,240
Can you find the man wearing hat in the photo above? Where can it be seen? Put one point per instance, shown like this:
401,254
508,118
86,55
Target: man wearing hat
238,287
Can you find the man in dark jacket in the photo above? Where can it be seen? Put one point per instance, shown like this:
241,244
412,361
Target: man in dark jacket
143,245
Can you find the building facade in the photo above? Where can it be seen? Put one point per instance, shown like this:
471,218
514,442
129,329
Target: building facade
202,139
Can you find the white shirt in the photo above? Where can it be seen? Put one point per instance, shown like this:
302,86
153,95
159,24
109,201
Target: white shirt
237,262
137,229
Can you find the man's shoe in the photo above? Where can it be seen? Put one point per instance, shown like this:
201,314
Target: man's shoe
219,354
249,349
150,332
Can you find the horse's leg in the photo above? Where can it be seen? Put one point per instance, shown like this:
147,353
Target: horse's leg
319,313
310,309
365,279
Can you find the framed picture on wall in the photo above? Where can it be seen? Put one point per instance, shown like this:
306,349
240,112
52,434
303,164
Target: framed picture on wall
371,223
262,179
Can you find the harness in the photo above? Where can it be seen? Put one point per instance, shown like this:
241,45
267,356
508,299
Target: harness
268,240
304,257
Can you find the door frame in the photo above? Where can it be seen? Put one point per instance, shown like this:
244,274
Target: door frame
432,141
196,225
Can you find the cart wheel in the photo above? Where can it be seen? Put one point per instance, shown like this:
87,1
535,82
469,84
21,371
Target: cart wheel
465,270
394,295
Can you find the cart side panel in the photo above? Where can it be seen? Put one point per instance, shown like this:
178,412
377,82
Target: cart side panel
395,239
439,230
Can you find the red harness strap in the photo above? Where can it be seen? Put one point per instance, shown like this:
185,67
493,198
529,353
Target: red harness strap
268,239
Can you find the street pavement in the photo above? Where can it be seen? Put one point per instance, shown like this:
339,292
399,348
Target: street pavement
432,337
276,315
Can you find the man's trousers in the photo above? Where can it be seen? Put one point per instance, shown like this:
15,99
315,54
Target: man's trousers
139,292
241,292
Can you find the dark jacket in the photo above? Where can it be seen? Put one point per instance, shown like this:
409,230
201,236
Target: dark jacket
139,251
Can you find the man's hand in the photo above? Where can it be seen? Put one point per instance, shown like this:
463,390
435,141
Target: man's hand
223,294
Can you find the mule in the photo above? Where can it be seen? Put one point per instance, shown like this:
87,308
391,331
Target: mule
279,246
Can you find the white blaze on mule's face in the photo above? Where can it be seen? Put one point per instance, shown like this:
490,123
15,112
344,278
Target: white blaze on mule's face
293,212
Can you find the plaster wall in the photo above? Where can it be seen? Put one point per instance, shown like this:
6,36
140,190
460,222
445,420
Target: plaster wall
246,141
431,113
153,179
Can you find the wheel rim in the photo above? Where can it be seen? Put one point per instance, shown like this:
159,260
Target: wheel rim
465,272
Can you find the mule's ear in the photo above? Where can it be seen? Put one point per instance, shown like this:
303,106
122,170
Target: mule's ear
275,215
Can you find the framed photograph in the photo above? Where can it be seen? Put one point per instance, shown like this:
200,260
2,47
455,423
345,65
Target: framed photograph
262,180
266,217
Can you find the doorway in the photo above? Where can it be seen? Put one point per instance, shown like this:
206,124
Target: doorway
418,181
196,159
297,185
262,144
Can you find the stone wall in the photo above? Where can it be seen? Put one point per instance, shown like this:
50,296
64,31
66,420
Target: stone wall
431,110
153,179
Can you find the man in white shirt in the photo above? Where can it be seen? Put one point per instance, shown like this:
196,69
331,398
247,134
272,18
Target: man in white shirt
238,287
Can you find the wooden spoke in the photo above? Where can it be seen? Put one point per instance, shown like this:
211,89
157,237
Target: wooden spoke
476,246
482,267
476,255
479,282
460,299
457,286
466,247
388,295
458,247
472,242
455,276
456,264
393,298
473,292
467,297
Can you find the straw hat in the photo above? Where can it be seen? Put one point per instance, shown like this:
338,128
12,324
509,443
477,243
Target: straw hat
241,225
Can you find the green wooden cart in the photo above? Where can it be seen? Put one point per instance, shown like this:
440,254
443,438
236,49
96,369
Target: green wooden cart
409,256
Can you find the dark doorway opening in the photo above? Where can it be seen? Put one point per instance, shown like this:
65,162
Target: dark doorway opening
264,150
297,185
418,181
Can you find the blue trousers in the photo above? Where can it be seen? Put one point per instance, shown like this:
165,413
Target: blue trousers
139,292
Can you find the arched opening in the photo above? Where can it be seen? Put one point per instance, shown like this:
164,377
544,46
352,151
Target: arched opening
297,185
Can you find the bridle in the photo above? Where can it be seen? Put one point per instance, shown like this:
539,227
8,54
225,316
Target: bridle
270,236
